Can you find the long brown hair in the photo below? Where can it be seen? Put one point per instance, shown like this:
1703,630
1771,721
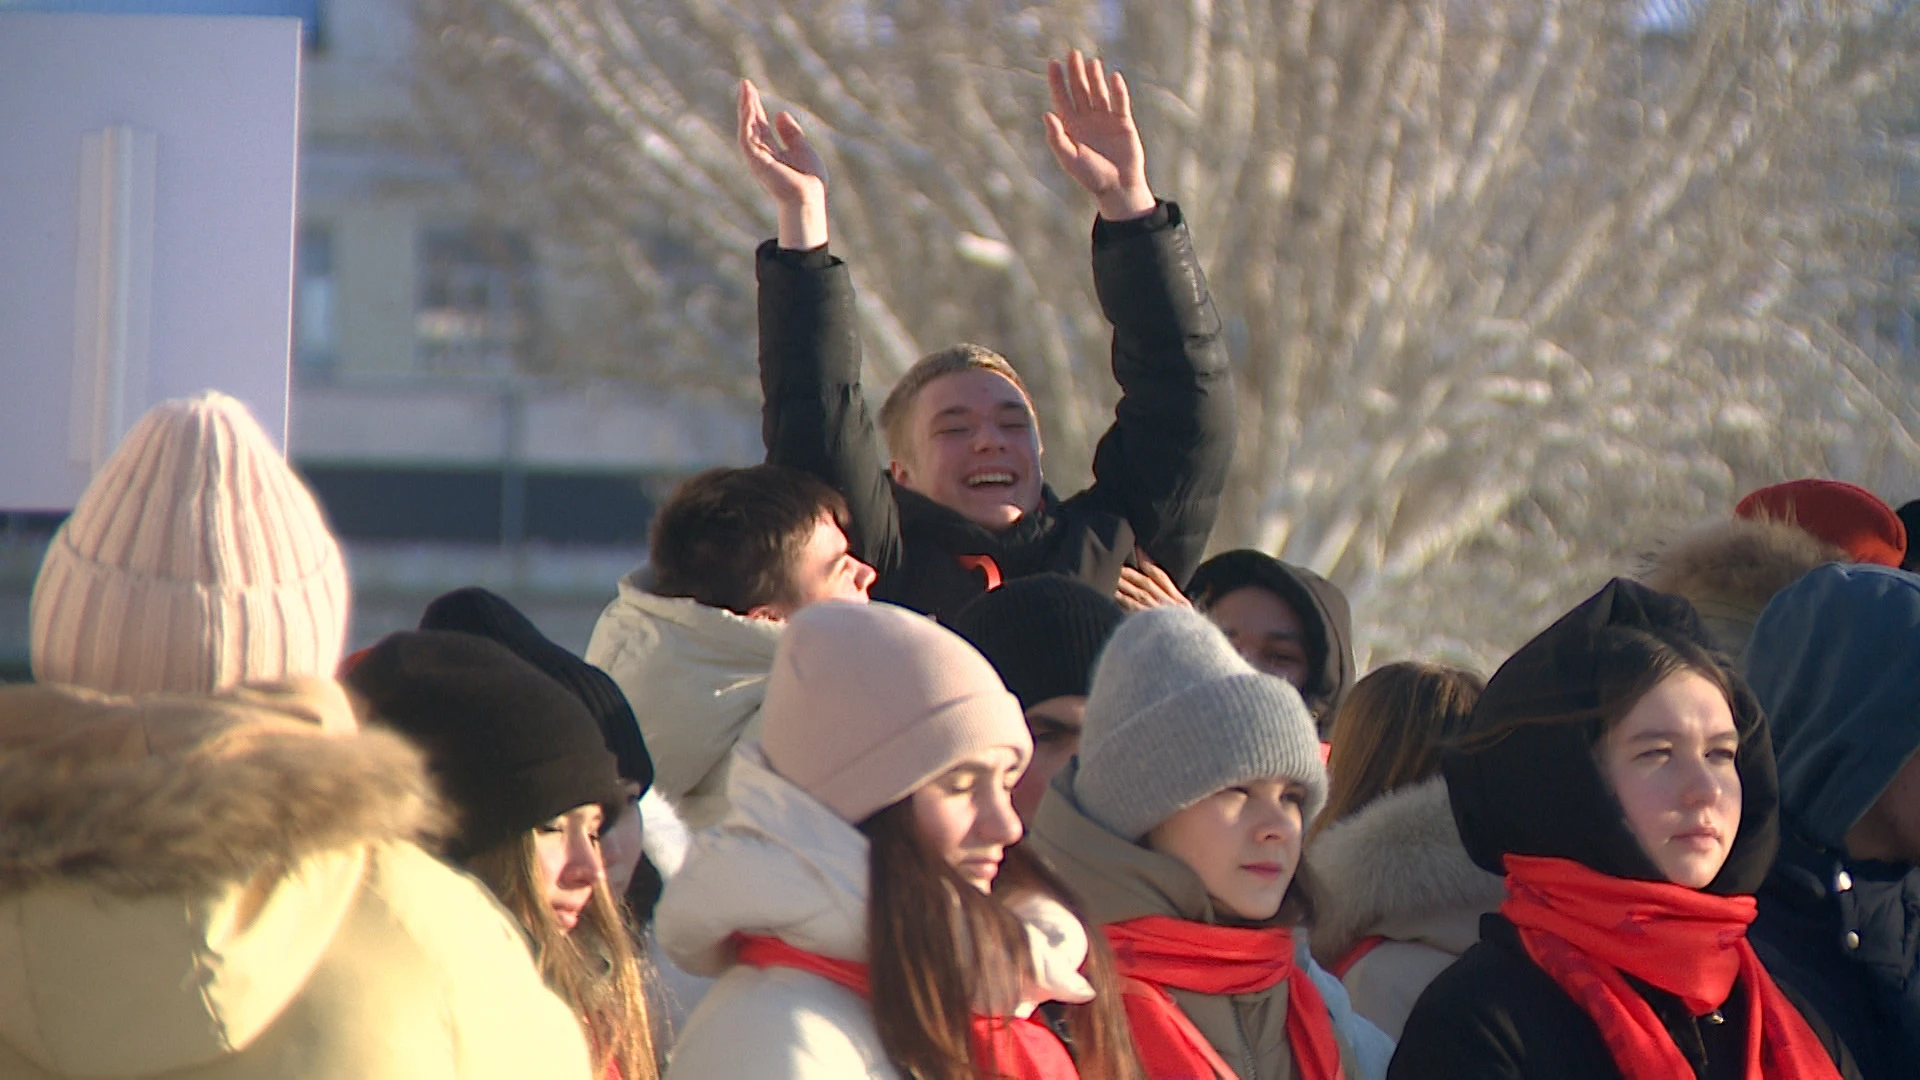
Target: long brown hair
936,945
1098,1032
594,969
1390,730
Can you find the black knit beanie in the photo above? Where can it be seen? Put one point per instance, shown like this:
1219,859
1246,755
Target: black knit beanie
1041,633
477,611
509,747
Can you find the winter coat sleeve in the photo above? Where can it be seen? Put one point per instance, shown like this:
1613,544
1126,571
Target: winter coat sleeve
1163,463
814,415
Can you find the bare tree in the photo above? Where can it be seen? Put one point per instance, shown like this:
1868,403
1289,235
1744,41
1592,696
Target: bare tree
1515,287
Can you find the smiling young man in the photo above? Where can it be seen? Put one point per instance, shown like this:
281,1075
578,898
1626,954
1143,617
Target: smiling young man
956,502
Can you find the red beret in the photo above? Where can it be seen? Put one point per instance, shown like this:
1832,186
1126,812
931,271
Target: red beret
1848,517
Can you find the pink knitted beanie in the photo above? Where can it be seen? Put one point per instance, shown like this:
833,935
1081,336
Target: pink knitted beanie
868,702
195,560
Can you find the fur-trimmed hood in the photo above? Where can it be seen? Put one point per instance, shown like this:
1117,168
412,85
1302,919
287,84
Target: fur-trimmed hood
179,795
1729,570
165,842
1396,867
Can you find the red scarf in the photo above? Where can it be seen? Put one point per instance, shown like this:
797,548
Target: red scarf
1157,953
1587,929
1019,1048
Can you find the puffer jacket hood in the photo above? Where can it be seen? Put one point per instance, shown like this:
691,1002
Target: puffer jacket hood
1321,605
1538,790
1835,659
1396,868
772,832
178,874
695,676
1728,570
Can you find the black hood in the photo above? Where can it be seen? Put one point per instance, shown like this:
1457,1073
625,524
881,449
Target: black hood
1322,608
1538,790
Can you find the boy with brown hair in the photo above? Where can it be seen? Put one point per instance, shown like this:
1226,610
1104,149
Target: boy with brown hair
961,505
690,637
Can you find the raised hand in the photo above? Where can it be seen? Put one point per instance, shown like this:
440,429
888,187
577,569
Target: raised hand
1091,133
1148,587
788,167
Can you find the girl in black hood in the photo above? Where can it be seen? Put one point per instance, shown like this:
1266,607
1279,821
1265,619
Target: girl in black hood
1618,774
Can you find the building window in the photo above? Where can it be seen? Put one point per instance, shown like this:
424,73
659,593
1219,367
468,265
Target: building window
316,325
476,306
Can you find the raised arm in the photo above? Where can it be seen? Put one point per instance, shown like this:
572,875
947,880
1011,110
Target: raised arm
1163,464
788,167
814,414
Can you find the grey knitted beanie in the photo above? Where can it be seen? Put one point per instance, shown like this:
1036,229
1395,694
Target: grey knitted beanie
1175,715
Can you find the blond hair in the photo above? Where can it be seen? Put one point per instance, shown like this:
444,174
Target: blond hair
897,411
595,969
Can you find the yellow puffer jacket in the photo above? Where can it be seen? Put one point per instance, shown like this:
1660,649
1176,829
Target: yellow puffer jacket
229,887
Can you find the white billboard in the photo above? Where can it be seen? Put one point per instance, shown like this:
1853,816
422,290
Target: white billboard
146,230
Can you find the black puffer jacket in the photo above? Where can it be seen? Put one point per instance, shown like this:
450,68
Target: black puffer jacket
1508,1020
1158,471
1539,791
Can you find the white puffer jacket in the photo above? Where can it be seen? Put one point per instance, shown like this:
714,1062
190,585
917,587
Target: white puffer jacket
781,864
695,676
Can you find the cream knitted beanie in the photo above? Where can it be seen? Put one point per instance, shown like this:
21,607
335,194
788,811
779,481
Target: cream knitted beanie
1176,715
195,560
867,702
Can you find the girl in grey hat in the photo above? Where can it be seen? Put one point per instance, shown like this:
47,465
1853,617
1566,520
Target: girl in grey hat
1180,827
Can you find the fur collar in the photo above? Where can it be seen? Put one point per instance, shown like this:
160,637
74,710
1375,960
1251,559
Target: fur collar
169,794
1397,857
664,837
1736,562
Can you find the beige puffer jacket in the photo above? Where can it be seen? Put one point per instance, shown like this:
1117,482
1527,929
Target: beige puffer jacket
229,888
695,676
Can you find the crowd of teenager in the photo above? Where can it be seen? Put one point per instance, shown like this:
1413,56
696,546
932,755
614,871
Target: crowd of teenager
891,762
